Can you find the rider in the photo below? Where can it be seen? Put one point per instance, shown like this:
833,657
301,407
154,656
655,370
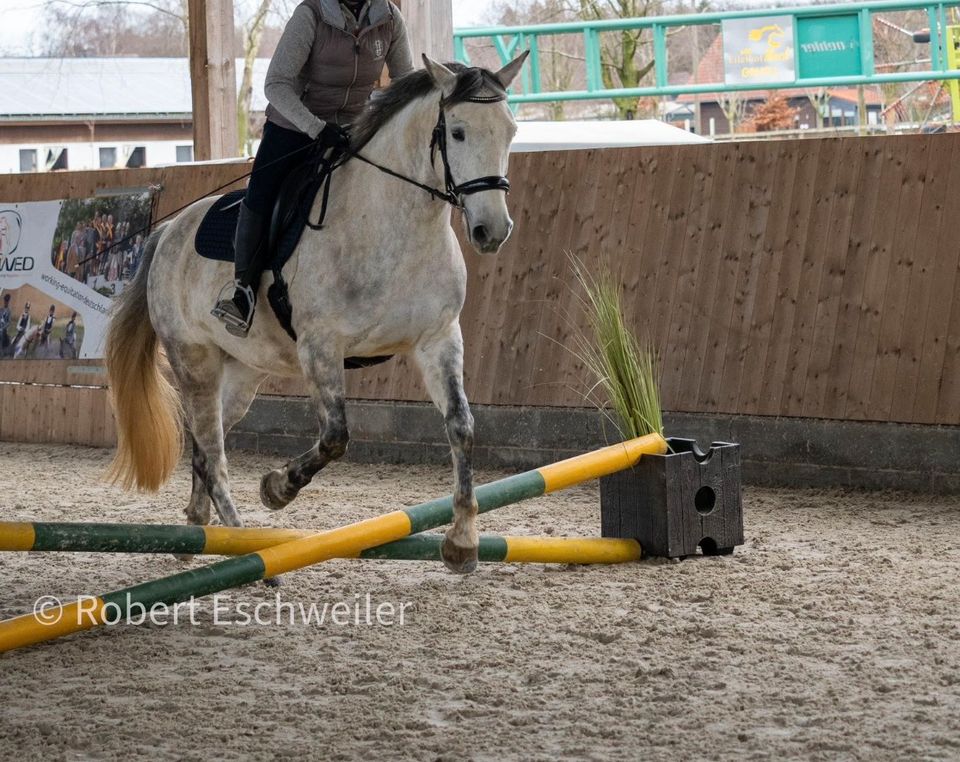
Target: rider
5,318
48,324
327,63
23,324
70,337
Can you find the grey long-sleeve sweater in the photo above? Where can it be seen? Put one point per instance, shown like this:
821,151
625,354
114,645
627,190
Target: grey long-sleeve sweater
327,64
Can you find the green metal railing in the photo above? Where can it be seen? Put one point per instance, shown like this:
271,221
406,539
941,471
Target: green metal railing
509,41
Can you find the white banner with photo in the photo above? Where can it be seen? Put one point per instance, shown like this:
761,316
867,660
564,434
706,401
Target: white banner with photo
61,264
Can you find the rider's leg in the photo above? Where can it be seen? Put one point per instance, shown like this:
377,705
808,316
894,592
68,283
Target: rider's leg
279,152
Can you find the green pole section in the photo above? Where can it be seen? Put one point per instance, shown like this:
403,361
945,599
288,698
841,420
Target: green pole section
119,538
426,547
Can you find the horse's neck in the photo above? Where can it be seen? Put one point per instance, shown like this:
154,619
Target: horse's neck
403,145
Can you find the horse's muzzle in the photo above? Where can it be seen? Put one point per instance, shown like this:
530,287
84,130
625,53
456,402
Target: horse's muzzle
487,239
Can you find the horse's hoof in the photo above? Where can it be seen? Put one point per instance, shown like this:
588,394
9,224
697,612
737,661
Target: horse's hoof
458,559
273,581
272,491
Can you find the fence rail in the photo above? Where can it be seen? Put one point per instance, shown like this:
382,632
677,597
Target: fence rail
508,41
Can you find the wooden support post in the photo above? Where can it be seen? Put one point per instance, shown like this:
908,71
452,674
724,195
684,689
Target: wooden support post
213,79
430,26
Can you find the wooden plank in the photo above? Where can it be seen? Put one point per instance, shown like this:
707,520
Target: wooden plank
804,323
895,305
879,256
549,329
719,203
682,317
721,303
753,270
918,317
683,202
863,217
497,290
776,232
948,404
835,262
934,379
561,382
774,371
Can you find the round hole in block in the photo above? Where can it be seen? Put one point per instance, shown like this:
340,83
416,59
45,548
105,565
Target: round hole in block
705,500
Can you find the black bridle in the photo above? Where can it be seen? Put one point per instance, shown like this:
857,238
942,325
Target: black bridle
453,193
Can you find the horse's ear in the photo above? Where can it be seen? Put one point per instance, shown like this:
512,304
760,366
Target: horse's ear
509,72
442,77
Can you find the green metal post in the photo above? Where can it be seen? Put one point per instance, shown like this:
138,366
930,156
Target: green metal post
591,45
535,80
460,50
866,43
660,55
936,41
522,40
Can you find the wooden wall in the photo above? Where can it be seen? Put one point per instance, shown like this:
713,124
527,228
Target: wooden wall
813,278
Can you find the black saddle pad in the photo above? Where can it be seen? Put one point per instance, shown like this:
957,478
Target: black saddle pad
214,238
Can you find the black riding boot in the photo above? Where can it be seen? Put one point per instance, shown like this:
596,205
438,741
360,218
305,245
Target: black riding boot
236,312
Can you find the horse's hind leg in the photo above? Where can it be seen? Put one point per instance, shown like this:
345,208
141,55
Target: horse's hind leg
198,509
239,388
199,370
441,363
324,372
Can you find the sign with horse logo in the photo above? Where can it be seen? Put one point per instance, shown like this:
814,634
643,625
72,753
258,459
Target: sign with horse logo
61,262
759,50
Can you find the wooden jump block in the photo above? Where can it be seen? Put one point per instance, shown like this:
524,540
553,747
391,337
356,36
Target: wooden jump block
674,503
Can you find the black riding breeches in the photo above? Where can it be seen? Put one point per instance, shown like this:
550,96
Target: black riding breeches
280,151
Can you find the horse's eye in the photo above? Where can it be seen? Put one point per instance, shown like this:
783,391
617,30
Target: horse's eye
458,133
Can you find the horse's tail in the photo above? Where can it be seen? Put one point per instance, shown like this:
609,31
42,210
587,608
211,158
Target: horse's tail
146,405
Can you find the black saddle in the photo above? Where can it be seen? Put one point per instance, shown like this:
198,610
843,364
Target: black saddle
214,238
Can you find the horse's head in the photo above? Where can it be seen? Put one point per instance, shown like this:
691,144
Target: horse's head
478,127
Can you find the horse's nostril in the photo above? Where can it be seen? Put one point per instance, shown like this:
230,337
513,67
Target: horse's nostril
480,234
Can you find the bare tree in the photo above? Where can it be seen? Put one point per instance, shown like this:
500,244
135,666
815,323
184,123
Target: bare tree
734,107
87,28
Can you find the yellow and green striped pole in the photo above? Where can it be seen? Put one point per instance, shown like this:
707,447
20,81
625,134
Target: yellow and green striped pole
237,541
306,551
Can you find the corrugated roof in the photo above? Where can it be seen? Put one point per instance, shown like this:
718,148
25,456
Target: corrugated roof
64,87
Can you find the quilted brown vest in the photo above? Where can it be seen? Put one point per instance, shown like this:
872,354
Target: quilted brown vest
345,63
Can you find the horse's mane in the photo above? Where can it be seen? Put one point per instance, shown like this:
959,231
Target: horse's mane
472,83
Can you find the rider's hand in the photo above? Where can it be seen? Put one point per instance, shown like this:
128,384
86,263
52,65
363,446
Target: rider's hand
333,136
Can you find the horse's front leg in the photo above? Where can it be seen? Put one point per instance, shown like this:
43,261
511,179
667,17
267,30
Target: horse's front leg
324,372
441,363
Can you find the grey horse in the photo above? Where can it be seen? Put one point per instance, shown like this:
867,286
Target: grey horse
384,276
